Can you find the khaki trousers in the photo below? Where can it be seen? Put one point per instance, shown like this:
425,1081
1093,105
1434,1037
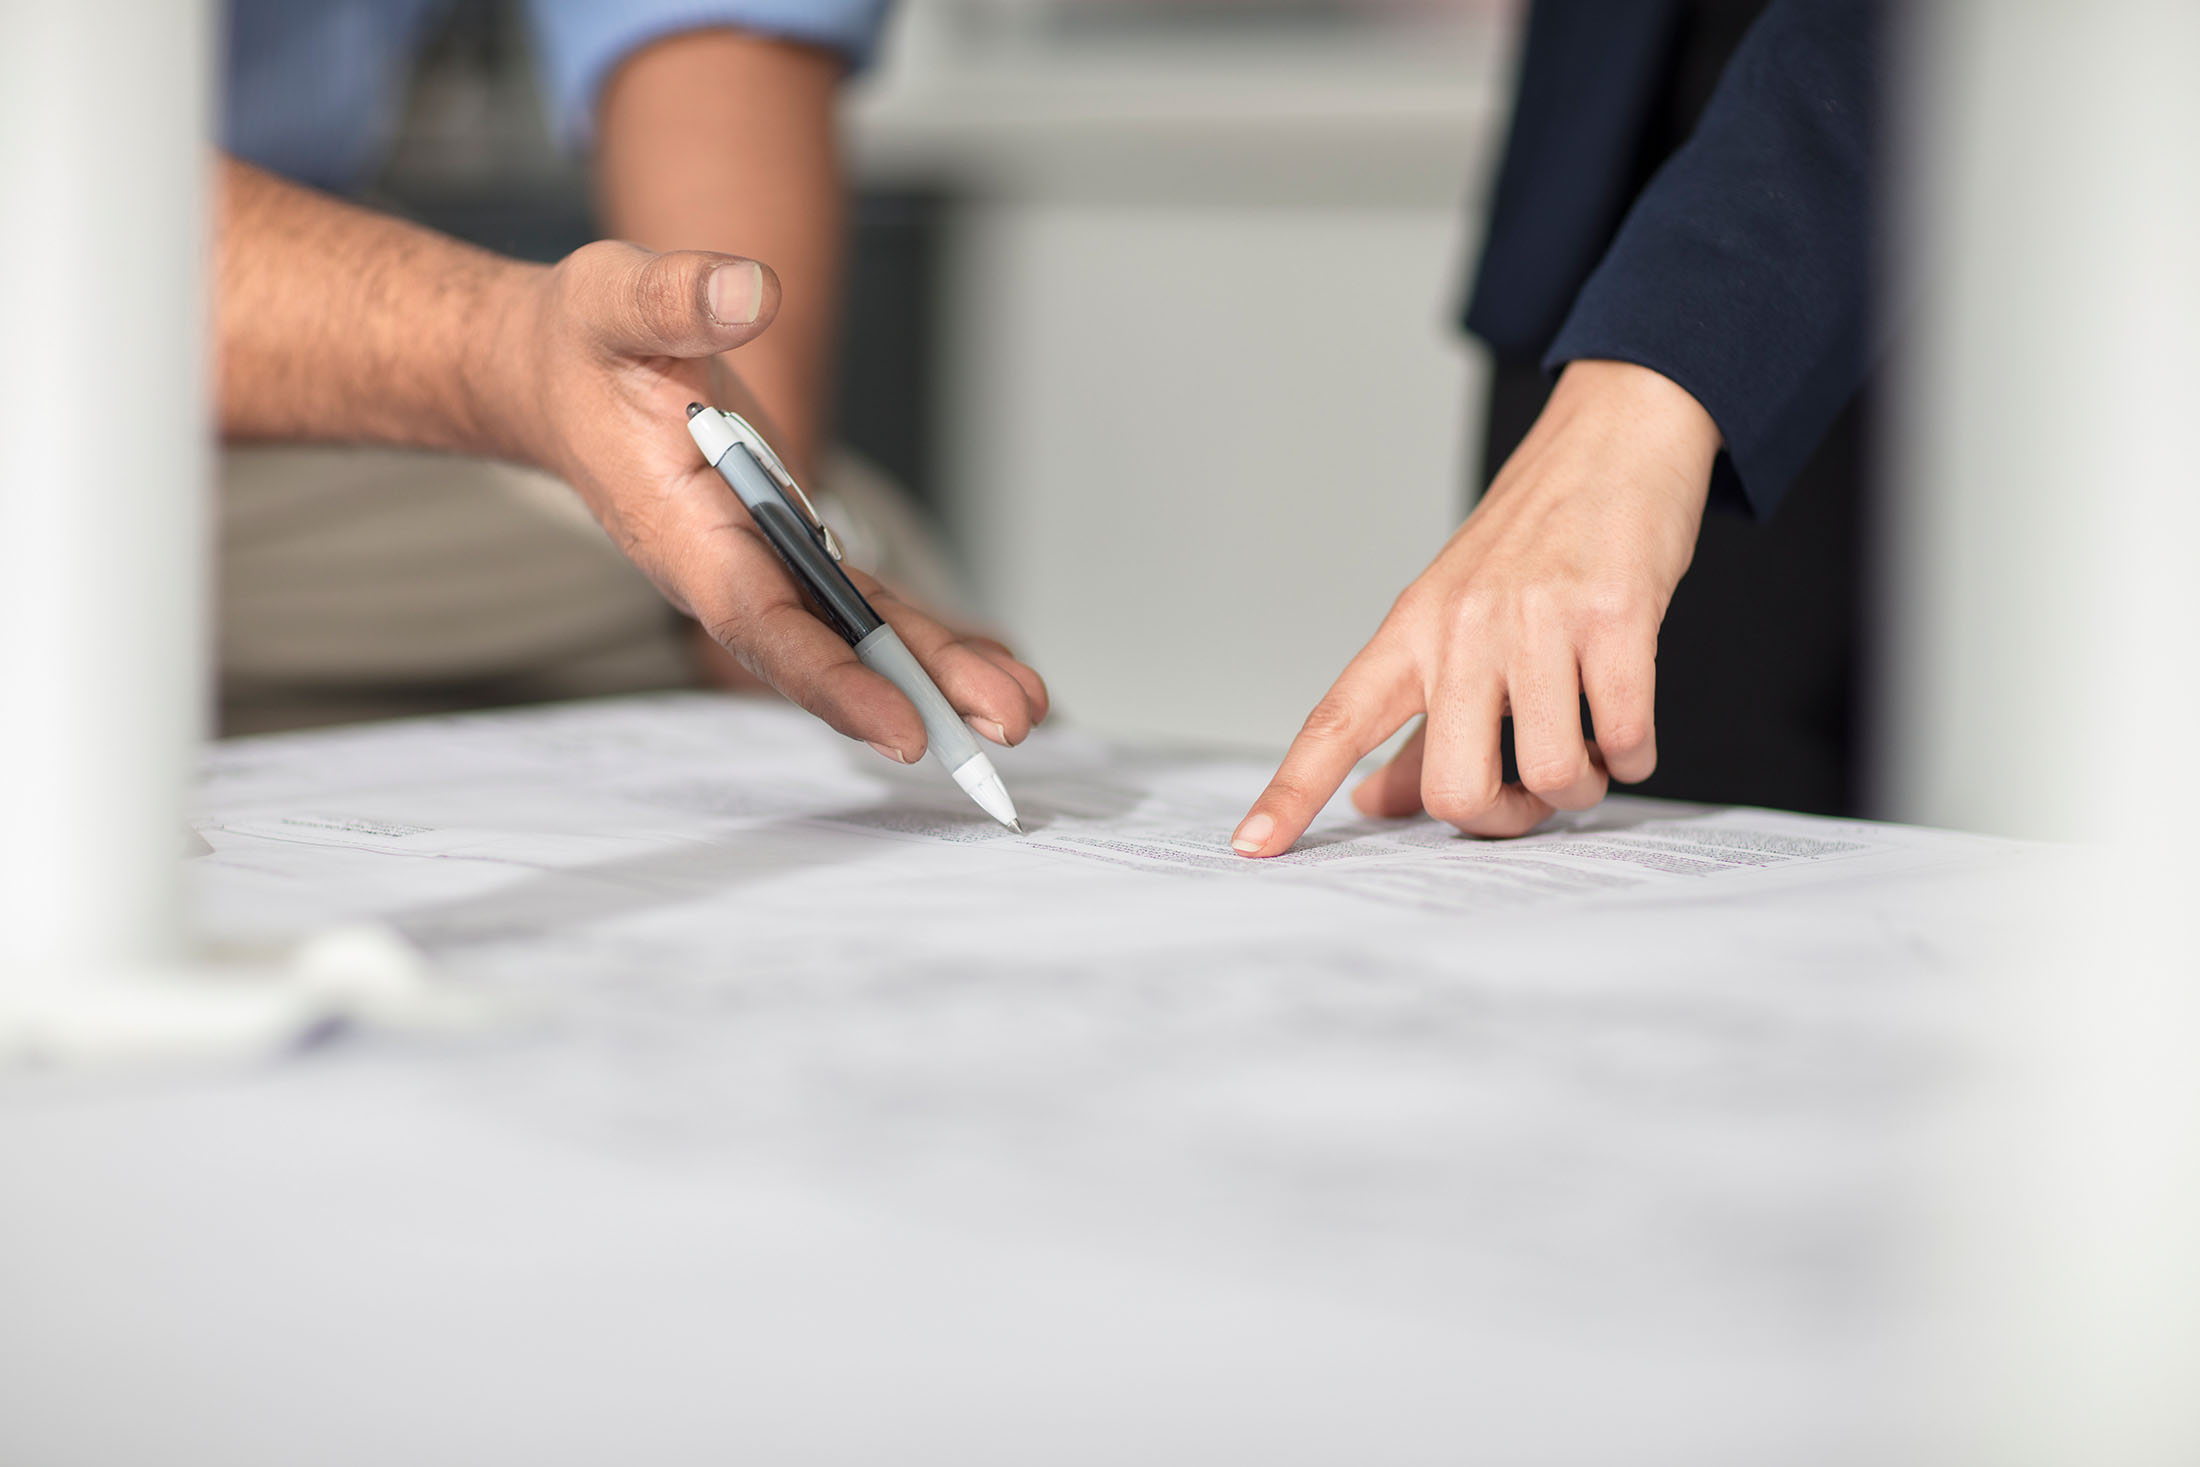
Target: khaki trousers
368,583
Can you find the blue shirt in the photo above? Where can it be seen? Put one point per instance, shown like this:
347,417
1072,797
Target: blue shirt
313,88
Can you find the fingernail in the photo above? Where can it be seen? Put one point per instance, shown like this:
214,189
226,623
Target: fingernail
886,753
1253,834
737,292
989,728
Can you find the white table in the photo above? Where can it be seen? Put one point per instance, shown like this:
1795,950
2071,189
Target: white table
1100,1147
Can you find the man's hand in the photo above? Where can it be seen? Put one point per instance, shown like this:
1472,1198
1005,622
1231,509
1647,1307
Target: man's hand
621,341
339,324
1554,587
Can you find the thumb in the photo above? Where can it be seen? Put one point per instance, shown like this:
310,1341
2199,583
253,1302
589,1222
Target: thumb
687,303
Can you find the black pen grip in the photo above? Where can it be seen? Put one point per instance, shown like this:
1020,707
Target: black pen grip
815,571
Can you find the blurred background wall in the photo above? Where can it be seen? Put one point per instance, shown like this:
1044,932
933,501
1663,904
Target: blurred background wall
1151,304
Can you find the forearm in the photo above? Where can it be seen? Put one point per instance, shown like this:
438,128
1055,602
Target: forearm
722,141
338,323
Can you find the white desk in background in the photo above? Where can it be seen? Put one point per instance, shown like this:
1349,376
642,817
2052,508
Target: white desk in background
1096,1146
1129,204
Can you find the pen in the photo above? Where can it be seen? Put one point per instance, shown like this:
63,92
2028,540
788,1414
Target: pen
791,523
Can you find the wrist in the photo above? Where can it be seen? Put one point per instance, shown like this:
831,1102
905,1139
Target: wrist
499,386
1655,413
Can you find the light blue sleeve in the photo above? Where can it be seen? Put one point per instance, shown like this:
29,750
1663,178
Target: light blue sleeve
581,41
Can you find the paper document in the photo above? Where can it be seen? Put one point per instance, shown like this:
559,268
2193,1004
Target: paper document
605,796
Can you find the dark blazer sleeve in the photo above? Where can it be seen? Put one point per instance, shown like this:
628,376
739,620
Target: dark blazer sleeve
1591,74
1743,271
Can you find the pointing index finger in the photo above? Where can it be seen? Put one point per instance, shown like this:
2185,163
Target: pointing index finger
1367,705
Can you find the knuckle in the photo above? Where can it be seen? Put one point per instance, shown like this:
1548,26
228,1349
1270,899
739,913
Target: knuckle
779,624
770,639
1510,825
1456,804
590,267
1411,602
1332,721
641,540
1552,774
728,629
1624,736
1633,765
1612,606
1473,611
1418,604
601,253
589,259
664,293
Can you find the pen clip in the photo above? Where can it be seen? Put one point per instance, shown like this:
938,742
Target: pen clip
769,462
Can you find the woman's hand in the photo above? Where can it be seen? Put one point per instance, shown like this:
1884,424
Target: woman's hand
1553,588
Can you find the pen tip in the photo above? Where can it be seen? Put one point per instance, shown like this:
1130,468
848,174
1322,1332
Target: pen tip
1017,826
694,408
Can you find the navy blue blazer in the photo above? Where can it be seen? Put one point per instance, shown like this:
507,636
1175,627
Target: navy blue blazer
1742,271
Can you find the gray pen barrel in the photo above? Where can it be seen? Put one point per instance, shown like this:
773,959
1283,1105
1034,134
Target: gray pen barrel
948,737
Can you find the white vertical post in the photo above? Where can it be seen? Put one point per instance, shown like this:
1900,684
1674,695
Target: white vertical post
104,463
2048,683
